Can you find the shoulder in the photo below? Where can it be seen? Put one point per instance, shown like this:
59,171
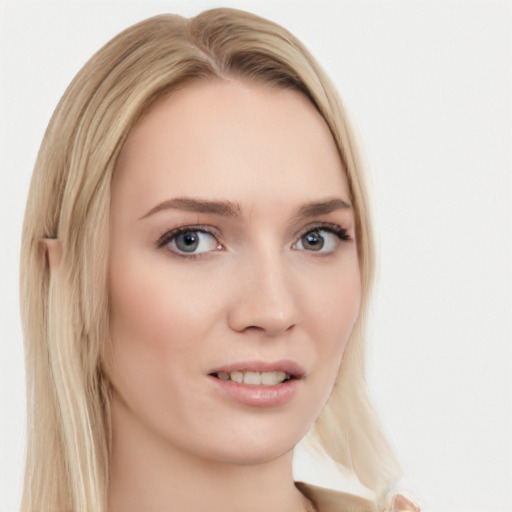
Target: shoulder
328,500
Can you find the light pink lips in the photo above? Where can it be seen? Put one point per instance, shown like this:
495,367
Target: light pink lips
260,395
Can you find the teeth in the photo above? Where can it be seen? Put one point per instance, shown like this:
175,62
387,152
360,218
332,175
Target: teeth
272,378
237,376
254,378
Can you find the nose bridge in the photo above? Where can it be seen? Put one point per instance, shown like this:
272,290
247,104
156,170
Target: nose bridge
267,302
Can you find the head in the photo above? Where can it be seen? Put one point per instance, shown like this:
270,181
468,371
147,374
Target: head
66,305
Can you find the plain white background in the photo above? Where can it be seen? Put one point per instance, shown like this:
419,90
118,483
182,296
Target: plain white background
429,84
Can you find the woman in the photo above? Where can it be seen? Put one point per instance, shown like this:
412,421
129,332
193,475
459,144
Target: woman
196,264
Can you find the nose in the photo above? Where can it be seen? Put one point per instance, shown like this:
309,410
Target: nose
267,301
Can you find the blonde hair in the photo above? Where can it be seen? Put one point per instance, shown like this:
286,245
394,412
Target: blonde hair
65,312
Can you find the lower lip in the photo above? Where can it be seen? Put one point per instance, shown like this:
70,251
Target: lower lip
258,396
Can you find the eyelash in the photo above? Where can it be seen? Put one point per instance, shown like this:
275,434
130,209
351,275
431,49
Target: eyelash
169,236
337,230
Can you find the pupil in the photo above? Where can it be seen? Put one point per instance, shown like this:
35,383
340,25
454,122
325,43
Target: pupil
313,241
187,242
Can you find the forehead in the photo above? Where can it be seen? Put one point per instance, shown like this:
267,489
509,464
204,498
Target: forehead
230,140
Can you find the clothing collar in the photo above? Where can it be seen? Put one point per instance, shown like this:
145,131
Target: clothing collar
329,500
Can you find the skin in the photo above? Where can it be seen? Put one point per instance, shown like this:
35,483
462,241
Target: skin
254,292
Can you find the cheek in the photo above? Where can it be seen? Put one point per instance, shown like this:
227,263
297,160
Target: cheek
331,307
139,323
156,336
155,307
155,327
336,304
336,307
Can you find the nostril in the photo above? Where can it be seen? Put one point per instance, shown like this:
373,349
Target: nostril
265,308
270,329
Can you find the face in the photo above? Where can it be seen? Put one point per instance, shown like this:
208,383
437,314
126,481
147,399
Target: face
234,276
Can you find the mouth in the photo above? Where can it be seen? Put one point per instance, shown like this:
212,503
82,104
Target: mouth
253,378
259,384
259,373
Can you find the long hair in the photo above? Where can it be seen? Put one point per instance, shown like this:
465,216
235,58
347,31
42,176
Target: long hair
65,311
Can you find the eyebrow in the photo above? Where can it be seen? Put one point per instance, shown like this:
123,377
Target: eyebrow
231,209
224,208
322,207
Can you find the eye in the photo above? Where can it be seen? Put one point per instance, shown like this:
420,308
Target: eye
186,241
322,239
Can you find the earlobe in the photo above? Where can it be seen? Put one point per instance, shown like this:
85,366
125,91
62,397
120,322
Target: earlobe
50,252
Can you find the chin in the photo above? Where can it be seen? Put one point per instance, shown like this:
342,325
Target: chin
255,453
255,445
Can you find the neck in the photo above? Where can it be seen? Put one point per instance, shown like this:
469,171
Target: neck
149,473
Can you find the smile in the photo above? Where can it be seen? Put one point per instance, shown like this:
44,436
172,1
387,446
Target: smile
255,378
259,384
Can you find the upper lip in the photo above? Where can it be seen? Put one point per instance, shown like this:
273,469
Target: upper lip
287,366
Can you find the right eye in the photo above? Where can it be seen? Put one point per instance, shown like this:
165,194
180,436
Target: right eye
189,242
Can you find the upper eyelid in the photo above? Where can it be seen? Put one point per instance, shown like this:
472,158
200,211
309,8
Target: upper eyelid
328,226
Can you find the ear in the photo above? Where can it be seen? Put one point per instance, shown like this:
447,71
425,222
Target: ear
50,252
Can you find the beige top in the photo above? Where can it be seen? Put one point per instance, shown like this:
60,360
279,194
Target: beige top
328,500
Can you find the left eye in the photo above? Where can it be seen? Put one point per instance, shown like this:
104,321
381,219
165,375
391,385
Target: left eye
191,242
317,240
